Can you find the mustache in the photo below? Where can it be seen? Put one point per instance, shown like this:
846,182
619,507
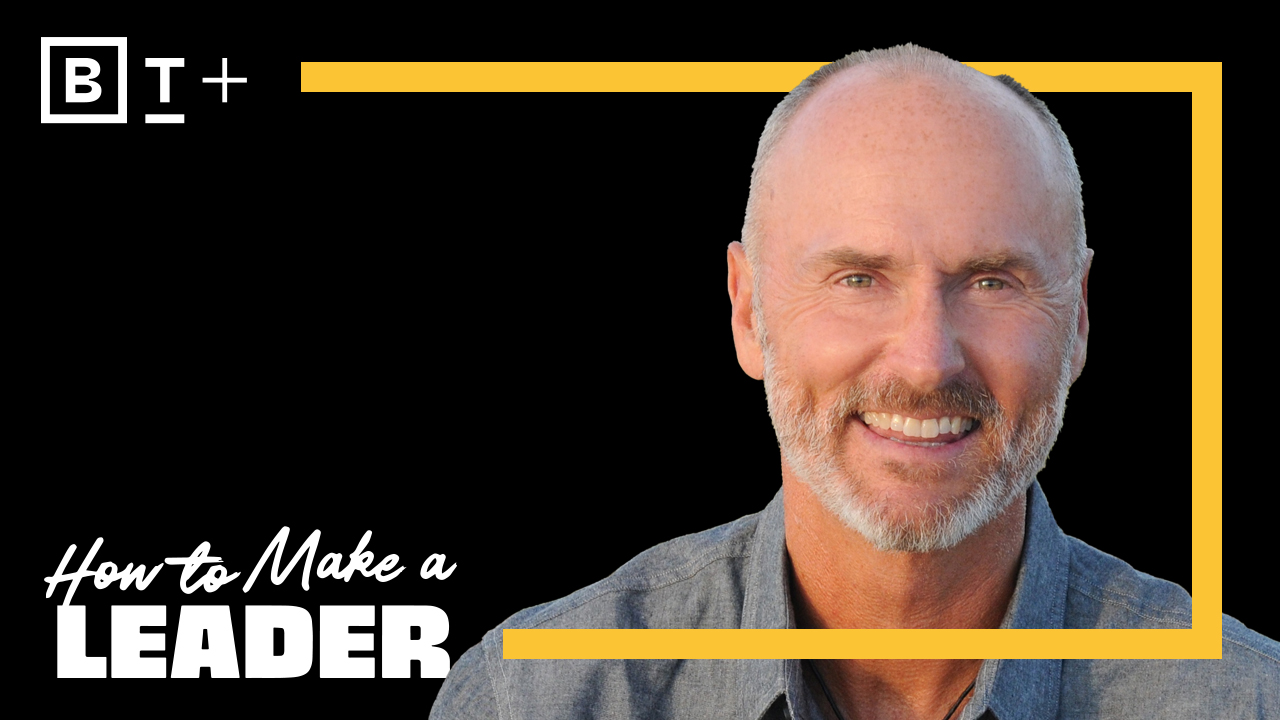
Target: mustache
959,396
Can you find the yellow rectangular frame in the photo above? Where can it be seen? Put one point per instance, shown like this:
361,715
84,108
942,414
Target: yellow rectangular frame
1202,80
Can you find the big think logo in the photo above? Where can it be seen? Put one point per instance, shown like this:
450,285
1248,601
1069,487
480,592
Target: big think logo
86,80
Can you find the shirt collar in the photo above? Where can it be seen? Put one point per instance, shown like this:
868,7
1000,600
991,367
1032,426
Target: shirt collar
1011,689
1028,689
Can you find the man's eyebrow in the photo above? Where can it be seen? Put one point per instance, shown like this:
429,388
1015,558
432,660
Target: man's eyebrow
1000,261
991,262
848,257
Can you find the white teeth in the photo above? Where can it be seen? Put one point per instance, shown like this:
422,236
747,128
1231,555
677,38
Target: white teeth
929,428
913,427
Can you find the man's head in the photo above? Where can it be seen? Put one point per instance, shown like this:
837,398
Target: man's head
914,246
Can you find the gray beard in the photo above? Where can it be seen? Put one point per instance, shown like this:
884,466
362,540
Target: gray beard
1011,456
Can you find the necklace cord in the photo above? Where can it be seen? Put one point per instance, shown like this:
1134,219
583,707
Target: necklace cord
963,695
825,691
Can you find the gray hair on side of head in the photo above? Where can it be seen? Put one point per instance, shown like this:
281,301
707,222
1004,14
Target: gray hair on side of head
899,61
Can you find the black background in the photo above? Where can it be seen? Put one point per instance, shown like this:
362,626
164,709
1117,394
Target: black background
493,327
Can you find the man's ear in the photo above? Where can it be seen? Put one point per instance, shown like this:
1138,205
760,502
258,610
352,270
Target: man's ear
743,320
1082,327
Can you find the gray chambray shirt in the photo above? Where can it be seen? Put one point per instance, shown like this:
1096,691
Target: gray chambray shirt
736,576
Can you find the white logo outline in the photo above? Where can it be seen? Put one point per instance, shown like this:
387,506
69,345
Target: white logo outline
122,91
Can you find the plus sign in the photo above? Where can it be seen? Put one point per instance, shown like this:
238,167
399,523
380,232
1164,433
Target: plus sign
224,80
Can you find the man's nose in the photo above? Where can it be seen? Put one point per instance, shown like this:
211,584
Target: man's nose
927,352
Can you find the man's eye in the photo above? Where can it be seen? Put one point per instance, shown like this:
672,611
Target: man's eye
858,281
990,284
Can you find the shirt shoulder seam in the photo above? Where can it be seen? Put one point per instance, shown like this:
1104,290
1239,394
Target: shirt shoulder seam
1130,608
1108,591
501,700
1251,649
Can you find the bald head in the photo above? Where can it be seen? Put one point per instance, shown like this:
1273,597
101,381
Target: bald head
884,126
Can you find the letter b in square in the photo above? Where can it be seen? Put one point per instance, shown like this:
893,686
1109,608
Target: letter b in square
83,80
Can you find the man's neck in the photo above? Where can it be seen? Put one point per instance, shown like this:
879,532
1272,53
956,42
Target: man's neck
839,580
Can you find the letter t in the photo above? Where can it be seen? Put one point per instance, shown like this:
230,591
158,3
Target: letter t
164,64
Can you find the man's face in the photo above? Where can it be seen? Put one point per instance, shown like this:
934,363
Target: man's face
922,323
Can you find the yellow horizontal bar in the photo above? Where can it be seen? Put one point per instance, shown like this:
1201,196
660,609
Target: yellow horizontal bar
709,76
553,76
883,644
1107,77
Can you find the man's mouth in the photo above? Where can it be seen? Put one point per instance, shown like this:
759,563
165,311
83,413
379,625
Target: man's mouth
921,432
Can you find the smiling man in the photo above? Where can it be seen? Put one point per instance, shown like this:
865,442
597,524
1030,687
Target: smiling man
912,288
